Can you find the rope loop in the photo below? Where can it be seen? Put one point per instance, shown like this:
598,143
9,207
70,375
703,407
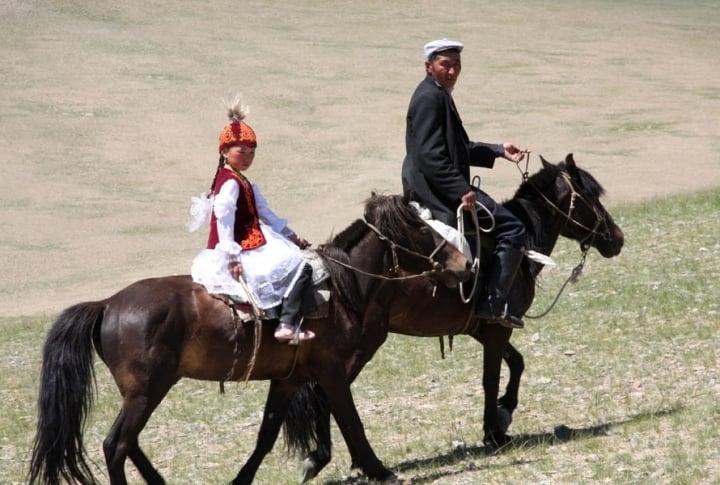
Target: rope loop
478,244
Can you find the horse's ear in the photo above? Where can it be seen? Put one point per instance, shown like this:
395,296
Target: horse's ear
570,165
407,197
370,207
545,163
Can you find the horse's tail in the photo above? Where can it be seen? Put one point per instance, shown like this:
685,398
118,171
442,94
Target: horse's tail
67,385
307,413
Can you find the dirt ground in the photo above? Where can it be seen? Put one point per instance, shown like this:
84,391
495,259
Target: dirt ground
110,114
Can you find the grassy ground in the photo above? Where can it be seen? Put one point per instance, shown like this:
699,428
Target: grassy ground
621,384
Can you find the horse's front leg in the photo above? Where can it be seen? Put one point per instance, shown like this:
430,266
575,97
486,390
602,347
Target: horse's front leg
348,420
495,339
317,459
276,405
509,401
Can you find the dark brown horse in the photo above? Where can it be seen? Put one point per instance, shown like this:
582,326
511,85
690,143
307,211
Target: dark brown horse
559,200
157,331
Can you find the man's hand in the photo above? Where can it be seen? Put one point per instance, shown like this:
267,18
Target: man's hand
513,152
468,200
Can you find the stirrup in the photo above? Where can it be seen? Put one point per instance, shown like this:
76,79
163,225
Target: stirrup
508,320
489,312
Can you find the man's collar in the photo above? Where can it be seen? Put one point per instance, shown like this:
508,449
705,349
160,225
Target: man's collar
449,91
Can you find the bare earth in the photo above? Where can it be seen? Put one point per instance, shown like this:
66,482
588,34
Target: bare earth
110,114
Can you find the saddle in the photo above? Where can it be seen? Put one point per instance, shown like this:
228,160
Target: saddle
321,291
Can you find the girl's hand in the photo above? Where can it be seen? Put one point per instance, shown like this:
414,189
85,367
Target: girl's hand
236,269
300,242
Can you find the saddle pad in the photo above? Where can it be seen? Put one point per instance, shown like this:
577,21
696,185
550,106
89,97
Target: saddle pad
322,299
320,271
450,234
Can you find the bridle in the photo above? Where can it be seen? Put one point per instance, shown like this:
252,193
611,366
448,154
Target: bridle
585,243
600,219
396,269
394,247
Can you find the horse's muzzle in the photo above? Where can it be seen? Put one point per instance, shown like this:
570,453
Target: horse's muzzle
612,244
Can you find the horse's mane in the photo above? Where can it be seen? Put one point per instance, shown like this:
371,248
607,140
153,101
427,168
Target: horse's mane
547,175
343,280
349,237
391,214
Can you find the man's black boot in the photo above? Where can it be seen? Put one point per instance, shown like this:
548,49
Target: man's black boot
492,306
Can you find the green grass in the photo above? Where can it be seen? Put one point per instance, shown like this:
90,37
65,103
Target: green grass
625,366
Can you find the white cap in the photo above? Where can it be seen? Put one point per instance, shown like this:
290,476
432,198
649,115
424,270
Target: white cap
441,45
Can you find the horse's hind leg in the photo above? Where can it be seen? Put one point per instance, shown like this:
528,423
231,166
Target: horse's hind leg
144,467
276,405
320,457
122,441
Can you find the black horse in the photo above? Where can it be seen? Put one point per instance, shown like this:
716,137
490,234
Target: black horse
559,200
157,331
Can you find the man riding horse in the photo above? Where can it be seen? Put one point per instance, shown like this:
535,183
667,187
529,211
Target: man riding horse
437,171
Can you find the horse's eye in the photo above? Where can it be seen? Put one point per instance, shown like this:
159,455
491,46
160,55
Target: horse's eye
424,230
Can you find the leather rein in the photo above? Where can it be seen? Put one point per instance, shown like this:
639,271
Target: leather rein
585,243
396,269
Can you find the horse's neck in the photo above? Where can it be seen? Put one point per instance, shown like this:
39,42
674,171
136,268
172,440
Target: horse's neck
542,222
370,258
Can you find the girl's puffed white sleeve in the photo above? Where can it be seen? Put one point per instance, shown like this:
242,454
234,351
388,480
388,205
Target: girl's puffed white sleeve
267,215
224,207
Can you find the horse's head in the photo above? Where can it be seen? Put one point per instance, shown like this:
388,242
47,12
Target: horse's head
415,246
577,198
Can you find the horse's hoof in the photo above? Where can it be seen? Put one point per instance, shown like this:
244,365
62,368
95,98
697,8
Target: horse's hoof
390,478
308,470
504,418
497,440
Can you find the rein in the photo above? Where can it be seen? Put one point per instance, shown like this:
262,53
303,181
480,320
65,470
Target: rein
394,247
585,244
574,194
574,275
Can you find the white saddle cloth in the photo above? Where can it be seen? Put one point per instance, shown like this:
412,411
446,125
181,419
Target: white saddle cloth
449,233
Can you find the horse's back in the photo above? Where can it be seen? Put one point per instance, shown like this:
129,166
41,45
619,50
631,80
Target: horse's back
152,320
144,305
174,325
157,287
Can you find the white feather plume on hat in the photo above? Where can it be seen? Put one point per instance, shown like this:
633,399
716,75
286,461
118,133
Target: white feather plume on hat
236,109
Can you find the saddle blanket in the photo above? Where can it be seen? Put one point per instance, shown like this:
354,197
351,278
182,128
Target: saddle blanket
449,233
320,276
454,237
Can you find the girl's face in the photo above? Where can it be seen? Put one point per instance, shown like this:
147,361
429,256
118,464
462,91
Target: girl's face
239,157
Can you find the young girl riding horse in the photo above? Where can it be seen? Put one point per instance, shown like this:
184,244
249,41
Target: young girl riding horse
250,249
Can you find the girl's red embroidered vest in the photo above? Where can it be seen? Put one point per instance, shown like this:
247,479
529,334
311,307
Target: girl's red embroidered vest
247,223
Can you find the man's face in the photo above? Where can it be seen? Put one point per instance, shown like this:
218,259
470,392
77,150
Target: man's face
445,68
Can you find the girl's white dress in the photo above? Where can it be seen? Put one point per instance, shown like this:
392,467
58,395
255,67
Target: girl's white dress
270,270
